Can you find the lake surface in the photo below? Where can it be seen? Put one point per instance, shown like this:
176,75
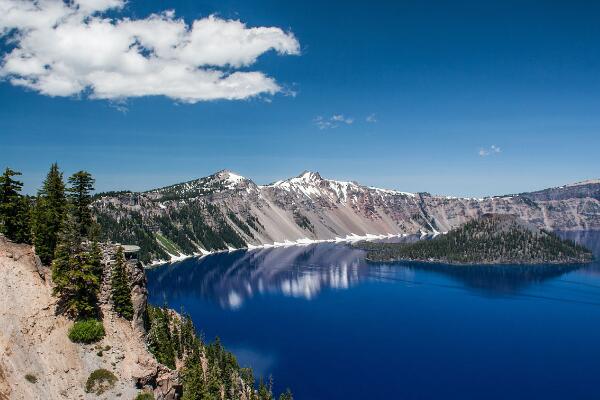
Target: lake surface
329,325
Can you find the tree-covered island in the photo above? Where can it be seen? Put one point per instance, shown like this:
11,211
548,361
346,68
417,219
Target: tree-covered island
489,239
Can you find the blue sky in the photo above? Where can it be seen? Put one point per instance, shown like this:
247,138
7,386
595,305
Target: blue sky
410,95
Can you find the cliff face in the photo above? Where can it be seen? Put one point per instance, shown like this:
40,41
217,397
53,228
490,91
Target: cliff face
226,210
33,339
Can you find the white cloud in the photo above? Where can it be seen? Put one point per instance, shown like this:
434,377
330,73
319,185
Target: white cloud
371,118
493,149
332,122
342,119
65,49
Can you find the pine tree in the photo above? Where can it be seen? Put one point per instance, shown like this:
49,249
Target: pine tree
81,185
14,209
193,377
121,293
75,278
265,391
23,220
159,336
48,214
95,259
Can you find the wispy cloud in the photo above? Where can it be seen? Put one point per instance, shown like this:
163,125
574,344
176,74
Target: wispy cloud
332,122
341,118
493,149
371,118
83,47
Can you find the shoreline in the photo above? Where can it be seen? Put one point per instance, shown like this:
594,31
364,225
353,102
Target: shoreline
351,238
479,263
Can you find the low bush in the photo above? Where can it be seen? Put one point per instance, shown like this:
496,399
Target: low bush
86,331
100,381
31,378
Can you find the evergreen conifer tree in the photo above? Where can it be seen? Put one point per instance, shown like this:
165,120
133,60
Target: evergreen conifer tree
95,259
48,215
287,395
75,278
81,185
14,208
193,377
121,293
265,391
159,336
23,221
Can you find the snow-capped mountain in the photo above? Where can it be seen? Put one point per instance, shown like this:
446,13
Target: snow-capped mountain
218,182
226,210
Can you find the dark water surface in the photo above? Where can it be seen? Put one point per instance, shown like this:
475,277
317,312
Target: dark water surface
330,326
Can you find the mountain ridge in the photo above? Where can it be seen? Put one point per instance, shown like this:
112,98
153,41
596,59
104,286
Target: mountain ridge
316,175
226,210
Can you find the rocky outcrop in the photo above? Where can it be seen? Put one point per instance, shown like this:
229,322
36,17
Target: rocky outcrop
33,340
226,210
137,279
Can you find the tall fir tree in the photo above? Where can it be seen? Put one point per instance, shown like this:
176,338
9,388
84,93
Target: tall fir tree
193,377
81,186
49,214
14,208
23,220
120,291
95,259
75,277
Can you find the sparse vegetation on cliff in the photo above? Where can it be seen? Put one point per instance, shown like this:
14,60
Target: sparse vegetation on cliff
86,331
100,381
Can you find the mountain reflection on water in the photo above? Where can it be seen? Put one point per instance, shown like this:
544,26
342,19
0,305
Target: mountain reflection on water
304,271
230,278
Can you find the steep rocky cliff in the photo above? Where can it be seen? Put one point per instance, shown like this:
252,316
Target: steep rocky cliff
226,210
37,359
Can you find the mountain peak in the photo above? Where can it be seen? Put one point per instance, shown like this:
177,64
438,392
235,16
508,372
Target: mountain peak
229,176
312,176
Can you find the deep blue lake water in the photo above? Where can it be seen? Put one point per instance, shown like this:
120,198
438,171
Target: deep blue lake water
330,326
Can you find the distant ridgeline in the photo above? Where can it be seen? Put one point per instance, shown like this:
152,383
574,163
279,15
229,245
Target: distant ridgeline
490,239
225,211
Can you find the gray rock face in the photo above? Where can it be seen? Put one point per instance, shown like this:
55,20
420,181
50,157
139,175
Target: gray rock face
226,210
580,190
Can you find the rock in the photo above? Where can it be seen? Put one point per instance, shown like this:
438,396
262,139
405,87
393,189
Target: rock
33,338
168,386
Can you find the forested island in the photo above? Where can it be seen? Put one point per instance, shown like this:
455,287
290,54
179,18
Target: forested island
489,239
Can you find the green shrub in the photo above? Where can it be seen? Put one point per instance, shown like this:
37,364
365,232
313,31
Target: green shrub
100,381
31,378
144,396
86,331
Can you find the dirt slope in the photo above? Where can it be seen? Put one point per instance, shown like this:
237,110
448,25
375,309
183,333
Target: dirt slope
33,340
